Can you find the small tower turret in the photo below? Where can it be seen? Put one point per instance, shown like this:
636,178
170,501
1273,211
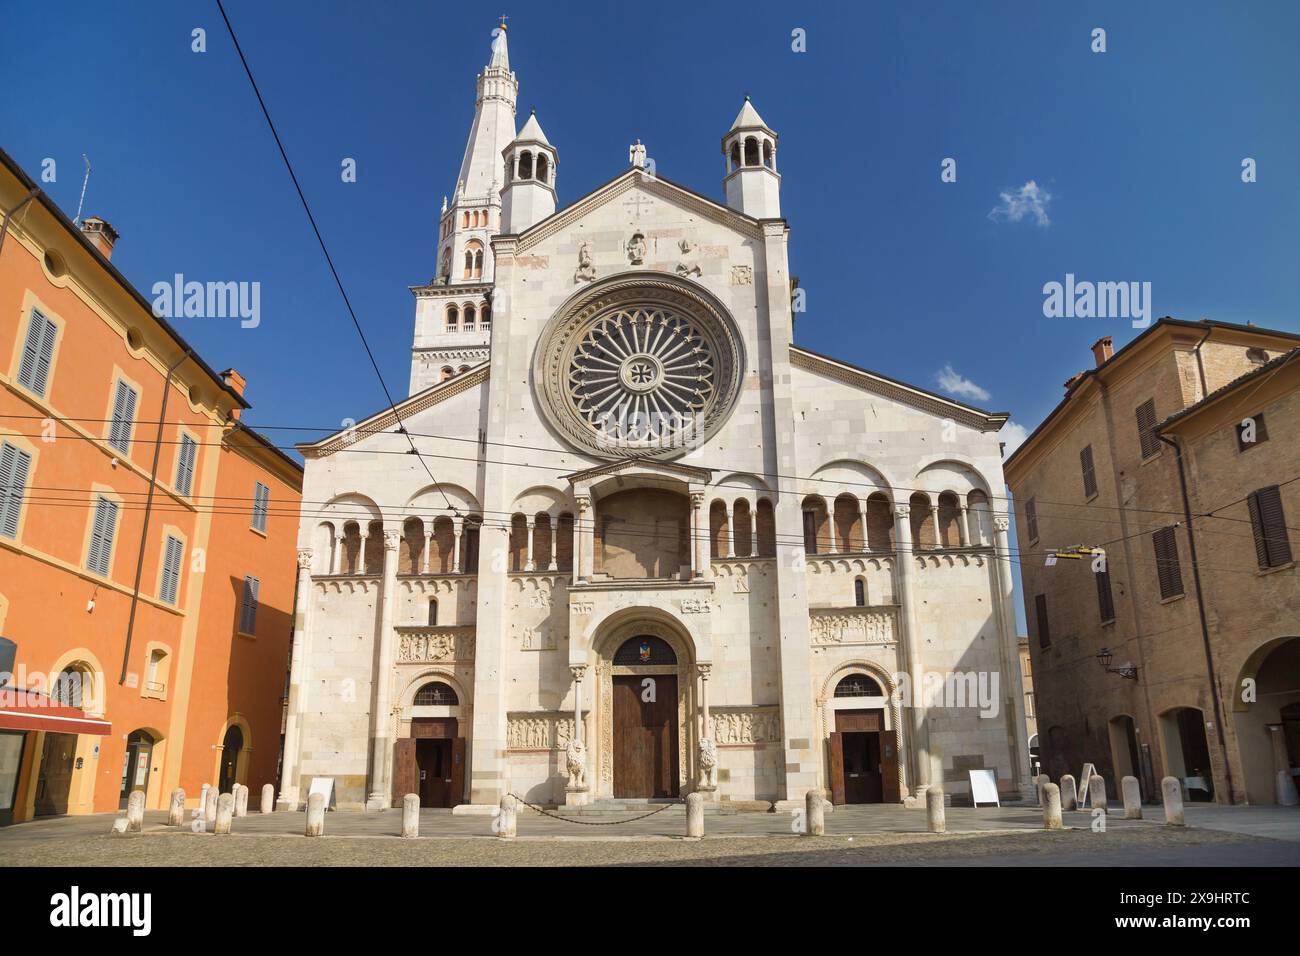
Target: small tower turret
529,193
753,185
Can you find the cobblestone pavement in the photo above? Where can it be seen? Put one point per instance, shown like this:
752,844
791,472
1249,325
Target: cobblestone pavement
855,836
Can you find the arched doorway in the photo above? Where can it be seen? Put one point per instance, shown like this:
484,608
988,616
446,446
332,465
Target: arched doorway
1187,752
431,761
1124,752
1266,719
863,742
645,719
135,764
231,745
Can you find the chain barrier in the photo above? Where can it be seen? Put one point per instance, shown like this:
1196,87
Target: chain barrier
596,823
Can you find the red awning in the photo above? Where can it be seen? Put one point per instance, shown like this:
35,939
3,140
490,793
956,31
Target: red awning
31,710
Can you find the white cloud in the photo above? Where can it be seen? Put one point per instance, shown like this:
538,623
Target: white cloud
1013,435
1014,205
954,384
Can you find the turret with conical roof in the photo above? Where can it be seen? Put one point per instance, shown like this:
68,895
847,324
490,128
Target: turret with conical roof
529,193
753,185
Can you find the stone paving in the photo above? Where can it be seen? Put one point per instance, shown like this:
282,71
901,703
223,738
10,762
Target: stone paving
1250,836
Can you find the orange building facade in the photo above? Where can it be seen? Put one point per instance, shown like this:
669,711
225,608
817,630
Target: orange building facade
188,667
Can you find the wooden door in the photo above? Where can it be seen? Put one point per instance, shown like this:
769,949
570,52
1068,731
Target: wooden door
433,758
837,768
645,736
406,777
889,769
57,756
457,795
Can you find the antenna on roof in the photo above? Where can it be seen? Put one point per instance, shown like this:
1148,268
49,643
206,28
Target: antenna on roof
84,182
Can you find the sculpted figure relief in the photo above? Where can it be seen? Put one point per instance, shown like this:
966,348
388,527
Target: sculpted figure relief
636,249
575,762
708,764
689,263
586,268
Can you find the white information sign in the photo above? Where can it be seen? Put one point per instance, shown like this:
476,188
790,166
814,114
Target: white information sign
984,787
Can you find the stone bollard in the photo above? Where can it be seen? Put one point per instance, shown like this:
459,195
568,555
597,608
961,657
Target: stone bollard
1069,796
315,815
508,820
1097,793
203,800
241,800
814,814
410,816
225,812
1040,782
119,825
176,812
934,817
135,811
1132,795
1172,791
695,816
1052,807
268,798
210,807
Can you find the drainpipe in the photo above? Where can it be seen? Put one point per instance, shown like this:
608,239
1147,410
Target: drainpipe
1200,607
148,508
9,213
1200,361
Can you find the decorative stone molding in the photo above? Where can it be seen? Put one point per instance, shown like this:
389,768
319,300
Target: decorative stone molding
848,626
740,726
1001,523
542,730
304,559
349,584
951,559
426,645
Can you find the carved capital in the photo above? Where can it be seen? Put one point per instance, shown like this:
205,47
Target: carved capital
697,499
1001,523
391,540
705,670
304,559
583,502
578,671
902,511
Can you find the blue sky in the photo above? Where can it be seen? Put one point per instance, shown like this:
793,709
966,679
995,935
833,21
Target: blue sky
1139,149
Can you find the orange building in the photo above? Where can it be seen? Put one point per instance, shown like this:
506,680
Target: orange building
165,617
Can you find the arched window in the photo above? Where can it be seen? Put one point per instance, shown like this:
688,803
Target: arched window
858,685
351,557
463,368
880,523
816,526
848,524
518,542
751,151
436,694
860,592
453,319
464,223
766,529
469,318
735,155
644,650
446,373
484,317
478,264
444,546
375,548
718,530
767,153
979,520
922,521
410,557
75,686
949,535
433,612
564,546
744,528
542,541
469,265
525,165
542,169
445,269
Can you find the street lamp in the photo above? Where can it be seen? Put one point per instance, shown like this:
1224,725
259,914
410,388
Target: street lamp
1127,671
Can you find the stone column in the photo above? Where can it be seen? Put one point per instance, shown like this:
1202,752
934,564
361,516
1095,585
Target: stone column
963,531
428,547
830,525
705,671
1009,653
934,523
731,529
862,519
699,536
529,563
918,725
554,522
381,720
294,710
577,789
361,552
585,535
457,529
336,553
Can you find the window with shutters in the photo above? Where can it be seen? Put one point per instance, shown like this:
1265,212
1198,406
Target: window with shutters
248,605
1105,600
185,460
1168,571
1031,519
38,354
1251,432
1044,629
122,423
99,554
261,506
169,584
15,464
1272,544
1089,473
1146,424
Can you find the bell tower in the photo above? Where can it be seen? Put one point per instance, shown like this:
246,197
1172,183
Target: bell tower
753,185
529,193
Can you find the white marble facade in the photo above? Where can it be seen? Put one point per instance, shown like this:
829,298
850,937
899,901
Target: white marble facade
770,543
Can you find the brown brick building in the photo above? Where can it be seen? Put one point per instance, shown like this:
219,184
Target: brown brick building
1181,657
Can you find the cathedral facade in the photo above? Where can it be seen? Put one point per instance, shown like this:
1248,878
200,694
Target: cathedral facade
626,540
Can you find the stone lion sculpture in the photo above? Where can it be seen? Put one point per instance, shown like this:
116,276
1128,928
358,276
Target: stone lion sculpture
689,263
708,764
575,762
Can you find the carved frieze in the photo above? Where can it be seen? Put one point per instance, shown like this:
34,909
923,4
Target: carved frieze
853,626
425,645
746,725
539,731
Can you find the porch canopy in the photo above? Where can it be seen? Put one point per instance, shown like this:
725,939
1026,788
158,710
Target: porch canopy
31,710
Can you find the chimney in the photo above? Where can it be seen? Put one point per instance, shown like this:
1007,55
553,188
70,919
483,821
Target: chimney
1102,349
236,382
101,235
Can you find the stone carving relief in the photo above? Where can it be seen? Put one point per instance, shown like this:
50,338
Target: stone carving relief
742,275
689,263
435,645
586,267
536,639
708,764
540,731
575,764
853,627
637,249
752,725
695,606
